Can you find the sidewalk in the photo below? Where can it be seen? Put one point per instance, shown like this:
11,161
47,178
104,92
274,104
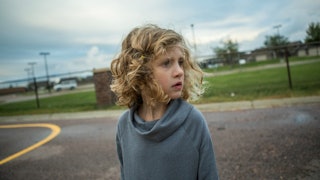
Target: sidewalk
212,107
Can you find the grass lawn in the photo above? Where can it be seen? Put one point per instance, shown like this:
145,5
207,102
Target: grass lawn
256,64
262,84
74,102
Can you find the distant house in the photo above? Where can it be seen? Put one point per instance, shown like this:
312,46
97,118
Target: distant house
296,48
210,62
308,50
263,54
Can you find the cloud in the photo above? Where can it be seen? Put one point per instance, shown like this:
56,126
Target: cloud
93,59
87,34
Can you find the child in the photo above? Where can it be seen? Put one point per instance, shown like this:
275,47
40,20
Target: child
161,136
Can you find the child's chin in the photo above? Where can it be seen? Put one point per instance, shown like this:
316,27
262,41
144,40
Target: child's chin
175,97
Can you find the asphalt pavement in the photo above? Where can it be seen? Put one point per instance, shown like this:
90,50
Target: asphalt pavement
268,133
210,107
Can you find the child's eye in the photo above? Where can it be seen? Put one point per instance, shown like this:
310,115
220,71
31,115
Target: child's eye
166,63
181,62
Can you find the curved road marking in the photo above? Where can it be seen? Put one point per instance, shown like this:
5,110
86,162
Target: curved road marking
55,131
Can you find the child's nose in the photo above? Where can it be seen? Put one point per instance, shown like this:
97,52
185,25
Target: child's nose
178,70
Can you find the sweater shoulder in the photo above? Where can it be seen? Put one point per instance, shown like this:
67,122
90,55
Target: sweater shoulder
196,117
123,121
196,127
124,117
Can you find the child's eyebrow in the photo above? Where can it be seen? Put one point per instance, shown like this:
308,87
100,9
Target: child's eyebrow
178,57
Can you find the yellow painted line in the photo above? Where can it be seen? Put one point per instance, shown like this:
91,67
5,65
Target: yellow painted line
55,131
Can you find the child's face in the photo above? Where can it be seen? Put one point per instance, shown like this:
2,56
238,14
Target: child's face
169,73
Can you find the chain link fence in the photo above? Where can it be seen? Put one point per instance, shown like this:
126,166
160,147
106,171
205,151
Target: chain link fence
44,84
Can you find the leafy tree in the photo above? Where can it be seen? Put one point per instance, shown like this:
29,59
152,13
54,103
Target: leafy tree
275,40
313,33
228,52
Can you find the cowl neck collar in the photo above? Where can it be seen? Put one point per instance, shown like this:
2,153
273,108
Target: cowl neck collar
175,115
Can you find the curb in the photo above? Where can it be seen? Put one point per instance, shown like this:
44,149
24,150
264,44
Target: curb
114,114
257,104
211,107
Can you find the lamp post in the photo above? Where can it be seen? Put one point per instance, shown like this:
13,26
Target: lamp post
277,27
28,70
194,39
32,68
286,52
45,54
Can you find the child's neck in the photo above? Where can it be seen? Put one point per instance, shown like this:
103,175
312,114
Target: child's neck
151,113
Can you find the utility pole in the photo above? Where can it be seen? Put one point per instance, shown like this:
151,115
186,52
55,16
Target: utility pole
44,54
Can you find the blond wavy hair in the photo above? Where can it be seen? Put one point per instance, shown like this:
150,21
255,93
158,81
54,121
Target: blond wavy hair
132,71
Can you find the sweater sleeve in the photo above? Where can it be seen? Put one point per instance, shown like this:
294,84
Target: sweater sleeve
207,165
119,145
201,136
119,150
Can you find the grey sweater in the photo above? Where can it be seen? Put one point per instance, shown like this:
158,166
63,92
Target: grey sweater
177,146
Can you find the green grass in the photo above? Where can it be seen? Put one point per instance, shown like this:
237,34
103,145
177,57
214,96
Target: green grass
262,84
82,101
256,64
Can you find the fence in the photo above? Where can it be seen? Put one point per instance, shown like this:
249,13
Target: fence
294,49
28,84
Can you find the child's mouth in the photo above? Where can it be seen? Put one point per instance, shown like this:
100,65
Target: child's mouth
177,86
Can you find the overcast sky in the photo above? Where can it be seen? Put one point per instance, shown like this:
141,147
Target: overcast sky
86,34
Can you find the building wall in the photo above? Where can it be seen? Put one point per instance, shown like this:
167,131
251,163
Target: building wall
261,57
302,52
313,51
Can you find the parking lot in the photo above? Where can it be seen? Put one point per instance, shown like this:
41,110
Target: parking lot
272,143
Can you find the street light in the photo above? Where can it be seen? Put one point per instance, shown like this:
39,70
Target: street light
277,27
44,54
286,56
194,39
28,70
32,67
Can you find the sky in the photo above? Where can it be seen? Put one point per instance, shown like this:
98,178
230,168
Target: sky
87,34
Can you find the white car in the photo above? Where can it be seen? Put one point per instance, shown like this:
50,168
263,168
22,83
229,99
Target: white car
68,84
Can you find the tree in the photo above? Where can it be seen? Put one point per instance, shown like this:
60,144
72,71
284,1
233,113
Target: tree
228,52
313,33
275,42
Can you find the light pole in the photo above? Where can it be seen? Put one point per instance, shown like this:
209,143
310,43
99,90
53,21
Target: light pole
277,27
32,68
45,54
28,70
286,56
194,40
